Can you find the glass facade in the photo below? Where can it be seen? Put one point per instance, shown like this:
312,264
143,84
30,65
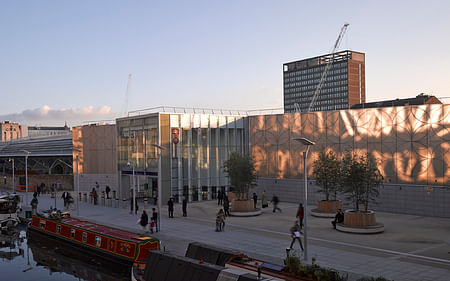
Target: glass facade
196,145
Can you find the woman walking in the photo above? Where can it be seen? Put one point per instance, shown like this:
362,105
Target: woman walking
144,221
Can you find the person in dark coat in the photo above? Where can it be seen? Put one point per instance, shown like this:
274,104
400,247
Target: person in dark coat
226,206
65,197
219,197
34,203
255,199
107,189
184,206
155,219
275,202
170,204
144,221
300,214
339,218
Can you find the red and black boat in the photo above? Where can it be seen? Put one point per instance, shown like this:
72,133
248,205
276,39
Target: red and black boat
102,240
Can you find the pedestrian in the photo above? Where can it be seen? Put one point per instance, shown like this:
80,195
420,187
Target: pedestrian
184,206
220,220
107,189
39,189
264,203
144,221
300,214
152,224
275,202
65,197
226,206
155,219
34,203
97,186
170,204
131,205
295,233
219,197
35,194
94,195
339,218
255,200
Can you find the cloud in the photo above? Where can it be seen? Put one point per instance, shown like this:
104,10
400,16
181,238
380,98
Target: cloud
56,117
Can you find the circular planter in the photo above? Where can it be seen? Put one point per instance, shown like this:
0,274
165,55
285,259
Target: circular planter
324,206
359,219
242,206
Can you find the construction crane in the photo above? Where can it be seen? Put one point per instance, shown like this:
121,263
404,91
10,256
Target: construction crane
328,66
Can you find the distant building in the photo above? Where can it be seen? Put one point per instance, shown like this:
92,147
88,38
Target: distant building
344,85
10,131
34,131
418,100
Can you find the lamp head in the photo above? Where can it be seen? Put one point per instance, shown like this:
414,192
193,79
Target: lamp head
305,141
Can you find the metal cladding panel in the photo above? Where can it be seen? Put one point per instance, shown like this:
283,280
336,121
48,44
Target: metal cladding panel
435,164
332,128
439,124
320,127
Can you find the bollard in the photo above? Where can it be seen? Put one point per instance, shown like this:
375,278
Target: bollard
124,203
91,199
85,197
117,202
79,196
114,194
145,203
103,198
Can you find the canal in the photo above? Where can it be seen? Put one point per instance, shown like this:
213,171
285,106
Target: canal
33,258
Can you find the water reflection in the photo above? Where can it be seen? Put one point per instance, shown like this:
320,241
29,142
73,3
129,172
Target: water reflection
34,256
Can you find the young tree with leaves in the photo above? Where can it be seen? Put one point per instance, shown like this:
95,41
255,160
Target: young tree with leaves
326,173
242,172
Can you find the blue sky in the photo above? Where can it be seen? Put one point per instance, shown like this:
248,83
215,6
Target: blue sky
72,58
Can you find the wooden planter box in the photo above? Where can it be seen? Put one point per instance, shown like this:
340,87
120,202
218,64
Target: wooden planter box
359,219
242,206
329,206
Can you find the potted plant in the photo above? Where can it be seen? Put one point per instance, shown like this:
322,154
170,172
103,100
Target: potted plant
326,173
242,173
360,181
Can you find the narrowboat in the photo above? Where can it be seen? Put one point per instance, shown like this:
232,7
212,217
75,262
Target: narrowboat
98,239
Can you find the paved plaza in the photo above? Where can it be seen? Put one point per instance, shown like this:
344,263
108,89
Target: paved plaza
411,248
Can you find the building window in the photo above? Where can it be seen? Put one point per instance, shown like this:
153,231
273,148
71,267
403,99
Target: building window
84,237
98,241
58,228
72,233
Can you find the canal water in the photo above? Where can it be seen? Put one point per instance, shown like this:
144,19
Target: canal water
27,257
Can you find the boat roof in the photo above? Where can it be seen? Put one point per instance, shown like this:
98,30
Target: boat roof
106,230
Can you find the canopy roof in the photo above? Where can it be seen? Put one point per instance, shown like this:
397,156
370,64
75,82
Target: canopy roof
39,146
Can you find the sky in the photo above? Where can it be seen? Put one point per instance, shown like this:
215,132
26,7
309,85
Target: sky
69,61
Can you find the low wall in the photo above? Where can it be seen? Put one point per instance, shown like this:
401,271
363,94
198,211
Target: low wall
411,199
88,181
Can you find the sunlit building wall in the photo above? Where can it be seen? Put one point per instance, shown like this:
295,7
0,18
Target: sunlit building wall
412,143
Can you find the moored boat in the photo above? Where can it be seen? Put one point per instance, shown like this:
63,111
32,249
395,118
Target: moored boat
99,239
9,207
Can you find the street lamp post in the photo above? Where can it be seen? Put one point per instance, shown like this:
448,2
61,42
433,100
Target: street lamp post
160,149
78,180
308,143
134,188
13,178
26,175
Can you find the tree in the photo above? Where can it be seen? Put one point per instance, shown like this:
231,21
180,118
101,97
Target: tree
242,172
360,179
326,173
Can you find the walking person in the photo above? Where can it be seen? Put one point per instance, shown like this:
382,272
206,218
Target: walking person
220,220
155,219
295,234
275,202
264,203
34,203
219,197
107,189
184,206
94,195
255,200
170,204
65,197
144,221
131,206
300,214
226,206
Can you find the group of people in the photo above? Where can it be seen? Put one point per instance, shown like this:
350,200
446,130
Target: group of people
152,224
